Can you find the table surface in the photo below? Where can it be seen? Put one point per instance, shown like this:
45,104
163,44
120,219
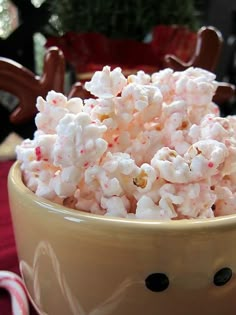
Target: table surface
8,255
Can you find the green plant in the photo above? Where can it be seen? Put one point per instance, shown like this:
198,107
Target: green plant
121,18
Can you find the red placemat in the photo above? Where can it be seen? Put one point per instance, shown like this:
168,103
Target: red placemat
8,255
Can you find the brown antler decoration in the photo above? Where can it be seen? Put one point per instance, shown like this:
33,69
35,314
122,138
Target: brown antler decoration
19,81
207,52
77,90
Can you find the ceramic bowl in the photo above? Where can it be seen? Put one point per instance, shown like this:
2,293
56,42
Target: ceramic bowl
78,263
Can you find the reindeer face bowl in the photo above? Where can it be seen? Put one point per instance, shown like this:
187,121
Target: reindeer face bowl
78,263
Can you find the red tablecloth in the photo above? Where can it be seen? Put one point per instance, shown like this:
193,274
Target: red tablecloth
8,256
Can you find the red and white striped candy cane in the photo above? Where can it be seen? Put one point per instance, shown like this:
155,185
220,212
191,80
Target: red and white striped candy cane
15,286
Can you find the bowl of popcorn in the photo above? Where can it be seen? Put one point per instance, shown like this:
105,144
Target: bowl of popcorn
124,203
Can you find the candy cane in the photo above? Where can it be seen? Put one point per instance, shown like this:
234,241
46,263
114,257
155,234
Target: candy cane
15,286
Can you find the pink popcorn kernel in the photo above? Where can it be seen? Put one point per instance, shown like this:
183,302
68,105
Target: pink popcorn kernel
38,153
86,164
54,101
210,164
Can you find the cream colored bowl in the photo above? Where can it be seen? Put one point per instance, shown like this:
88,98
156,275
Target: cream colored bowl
78,263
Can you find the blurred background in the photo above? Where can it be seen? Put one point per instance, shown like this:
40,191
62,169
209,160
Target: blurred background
25,24
28,27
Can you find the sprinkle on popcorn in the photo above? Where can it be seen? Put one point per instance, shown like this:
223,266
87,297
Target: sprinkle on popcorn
145,147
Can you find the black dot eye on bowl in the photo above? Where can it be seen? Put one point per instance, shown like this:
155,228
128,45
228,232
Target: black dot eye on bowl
222,276
157,282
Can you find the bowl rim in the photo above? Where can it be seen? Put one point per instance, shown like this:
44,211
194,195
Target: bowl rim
15,179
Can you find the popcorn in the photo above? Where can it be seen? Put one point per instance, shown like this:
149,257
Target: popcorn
145,147
53,109
117,206
205,158
147,209
195,86
79,141
106,83
171,166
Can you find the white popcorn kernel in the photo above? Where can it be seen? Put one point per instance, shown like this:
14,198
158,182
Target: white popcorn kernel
205,157
140,78
75,105
115,206
171,166
148,210
106,83
56,99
